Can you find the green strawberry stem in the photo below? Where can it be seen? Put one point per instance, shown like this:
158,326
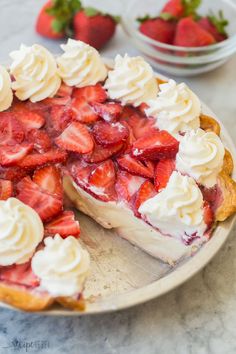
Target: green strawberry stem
219,22
190,6
91,11
64,11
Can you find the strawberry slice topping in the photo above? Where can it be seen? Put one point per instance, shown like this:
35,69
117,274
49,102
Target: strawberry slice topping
141,126
127,185
163,171
83,111
103,178
39,139
93,93
29,119
108,134
11,131
64,225
145,192
81,171
6,189
77,138
64,91
46,205
13,174
155,146
12,154
102,153
35,160
109,111
20,274
49,179
136,167
104,175
61,117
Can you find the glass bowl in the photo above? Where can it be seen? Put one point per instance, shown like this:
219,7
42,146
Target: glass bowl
175,60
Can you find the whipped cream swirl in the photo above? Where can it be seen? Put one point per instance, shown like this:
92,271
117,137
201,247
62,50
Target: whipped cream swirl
80,65
62,266
21,232
35,73
201,156
176,109
131,81
178,209
6,94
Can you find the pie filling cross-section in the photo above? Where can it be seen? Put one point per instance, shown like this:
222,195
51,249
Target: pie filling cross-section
135,153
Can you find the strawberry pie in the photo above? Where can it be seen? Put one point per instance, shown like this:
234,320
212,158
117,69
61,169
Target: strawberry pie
133,152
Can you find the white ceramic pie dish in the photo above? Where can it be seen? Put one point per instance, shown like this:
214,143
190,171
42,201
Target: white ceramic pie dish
123,276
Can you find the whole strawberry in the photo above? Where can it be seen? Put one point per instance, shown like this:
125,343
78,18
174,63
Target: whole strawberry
180,8
59,18
93,27
215,25
46,23
158,29
190,34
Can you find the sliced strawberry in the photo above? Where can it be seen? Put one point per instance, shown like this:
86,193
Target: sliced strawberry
46,205
108,134
6,189
142,108
109,111
40,140
103,178
13,174
11,131
64,225
104,175
49,179
77,138
208,215
93,93
61,117
56,101
141,126
145,192
64,91
127,185
29,119
130,140
35,160
20,274
163,171
160,145
135,167
81,171
84,112
102,153
11,155
128,111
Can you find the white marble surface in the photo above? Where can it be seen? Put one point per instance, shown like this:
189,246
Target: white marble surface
197,318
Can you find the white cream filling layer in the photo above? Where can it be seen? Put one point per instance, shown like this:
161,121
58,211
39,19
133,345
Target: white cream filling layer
120,218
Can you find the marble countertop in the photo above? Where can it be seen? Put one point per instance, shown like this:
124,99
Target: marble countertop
197,318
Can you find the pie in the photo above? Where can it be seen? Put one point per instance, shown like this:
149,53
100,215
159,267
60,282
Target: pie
135,153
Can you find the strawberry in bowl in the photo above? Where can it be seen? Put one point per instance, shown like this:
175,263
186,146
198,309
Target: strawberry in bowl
182,37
